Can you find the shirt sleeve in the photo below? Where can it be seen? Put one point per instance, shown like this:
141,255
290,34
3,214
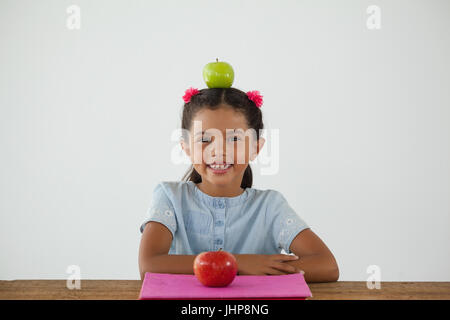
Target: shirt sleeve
284,223
161,210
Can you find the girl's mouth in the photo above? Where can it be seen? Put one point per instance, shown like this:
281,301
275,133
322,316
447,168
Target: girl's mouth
219,169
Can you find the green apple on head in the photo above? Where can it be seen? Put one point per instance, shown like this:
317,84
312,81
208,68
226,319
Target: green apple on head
218,74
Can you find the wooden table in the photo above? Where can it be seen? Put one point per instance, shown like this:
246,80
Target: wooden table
129,289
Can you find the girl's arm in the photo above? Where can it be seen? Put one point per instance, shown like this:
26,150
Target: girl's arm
315,259
153,252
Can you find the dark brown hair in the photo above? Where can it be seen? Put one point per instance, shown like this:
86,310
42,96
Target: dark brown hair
213,98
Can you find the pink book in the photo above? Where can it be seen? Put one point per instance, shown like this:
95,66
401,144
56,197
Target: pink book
186,286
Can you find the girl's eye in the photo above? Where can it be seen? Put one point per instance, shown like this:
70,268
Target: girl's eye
209,139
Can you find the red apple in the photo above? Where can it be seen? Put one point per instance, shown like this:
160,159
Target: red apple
215,268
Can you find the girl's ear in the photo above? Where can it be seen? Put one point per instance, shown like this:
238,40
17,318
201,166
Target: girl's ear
257,148
185,147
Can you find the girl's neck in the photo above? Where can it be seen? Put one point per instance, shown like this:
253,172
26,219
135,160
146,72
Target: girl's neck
220,191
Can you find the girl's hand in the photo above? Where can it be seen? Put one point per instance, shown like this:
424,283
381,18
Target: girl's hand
265,264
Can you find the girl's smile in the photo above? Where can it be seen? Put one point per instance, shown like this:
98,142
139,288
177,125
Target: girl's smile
220,169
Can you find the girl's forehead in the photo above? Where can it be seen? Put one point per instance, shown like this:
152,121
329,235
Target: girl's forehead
222,118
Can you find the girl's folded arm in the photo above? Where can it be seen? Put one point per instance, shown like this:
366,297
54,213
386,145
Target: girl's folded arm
316,260
153,252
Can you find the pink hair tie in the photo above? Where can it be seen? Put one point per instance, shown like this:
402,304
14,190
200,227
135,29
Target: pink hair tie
189,93
255,97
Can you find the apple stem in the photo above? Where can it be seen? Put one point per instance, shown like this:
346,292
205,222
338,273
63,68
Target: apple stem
217,59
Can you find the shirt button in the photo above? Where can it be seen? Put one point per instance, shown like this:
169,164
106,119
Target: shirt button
219,223
219,241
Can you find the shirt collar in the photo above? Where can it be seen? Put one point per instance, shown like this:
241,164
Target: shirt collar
220,202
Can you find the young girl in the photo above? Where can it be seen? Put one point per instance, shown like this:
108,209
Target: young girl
215,206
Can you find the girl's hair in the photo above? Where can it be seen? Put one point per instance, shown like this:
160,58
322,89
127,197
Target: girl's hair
213,98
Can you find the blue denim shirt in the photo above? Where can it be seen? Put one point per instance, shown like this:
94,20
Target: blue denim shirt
254,222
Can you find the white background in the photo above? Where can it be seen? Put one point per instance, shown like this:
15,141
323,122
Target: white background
86,118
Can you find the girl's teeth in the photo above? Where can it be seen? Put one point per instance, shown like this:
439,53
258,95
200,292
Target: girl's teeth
219,167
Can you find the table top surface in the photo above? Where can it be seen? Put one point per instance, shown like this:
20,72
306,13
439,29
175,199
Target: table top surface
129,290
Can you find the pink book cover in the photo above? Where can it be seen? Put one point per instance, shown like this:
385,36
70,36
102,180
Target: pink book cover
185,286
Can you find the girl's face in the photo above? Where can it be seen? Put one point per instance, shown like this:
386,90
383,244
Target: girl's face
221,136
